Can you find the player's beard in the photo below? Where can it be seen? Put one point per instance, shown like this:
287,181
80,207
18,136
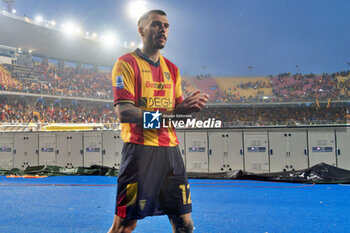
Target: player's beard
159,46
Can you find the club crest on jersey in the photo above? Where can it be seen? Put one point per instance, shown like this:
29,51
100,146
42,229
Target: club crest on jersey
120,82
167,75
142,204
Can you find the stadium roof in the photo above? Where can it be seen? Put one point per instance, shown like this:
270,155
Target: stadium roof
21,32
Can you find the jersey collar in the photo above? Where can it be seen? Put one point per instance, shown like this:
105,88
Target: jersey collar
144,57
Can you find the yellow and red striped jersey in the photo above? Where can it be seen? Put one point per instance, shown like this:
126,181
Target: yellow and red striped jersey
150,86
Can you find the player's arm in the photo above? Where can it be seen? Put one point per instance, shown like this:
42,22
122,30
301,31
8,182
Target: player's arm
123,80
129,113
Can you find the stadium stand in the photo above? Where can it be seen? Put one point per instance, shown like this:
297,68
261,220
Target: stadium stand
267,116
243,89
207,84
5,79
43,93
19,71
343,83
187,86
44,79
87,83
39,111
305,87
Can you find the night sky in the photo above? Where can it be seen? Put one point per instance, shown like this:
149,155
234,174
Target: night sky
223,37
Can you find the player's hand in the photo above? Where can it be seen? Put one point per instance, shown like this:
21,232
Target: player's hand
194,103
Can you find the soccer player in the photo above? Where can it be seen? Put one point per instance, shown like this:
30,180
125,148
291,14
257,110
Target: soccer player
152,178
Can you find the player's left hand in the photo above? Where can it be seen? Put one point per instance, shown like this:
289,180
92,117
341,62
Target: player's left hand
194,103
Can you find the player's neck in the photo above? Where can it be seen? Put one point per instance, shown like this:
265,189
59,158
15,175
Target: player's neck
151,53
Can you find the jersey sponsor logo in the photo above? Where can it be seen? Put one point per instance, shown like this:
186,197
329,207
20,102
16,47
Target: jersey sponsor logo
151,120
167,75
160,86
120,82
159,102
155,102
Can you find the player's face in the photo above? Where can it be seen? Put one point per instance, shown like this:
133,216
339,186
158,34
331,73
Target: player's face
156,31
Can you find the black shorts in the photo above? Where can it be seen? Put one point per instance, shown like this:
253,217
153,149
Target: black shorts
152,181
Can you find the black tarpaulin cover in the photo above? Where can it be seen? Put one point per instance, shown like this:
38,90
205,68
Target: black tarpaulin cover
320,173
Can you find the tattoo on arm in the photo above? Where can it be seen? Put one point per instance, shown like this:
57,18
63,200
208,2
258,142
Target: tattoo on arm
128,113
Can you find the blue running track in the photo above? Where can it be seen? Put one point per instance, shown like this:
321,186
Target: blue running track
86,204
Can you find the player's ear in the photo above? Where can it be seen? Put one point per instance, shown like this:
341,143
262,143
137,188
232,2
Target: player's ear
140,30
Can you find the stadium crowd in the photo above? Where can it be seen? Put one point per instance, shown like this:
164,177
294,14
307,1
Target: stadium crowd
254,85
292,88
73,82
36,111
264,116
87,83
298,87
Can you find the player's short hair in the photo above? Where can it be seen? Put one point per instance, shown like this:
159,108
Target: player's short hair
146,15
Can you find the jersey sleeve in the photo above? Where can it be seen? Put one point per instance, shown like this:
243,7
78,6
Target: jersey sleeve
123,81
178,91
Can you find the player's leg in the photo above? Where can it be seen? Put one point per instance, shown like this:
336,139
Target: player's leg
126,192
142,171
175,195
121,225
181,223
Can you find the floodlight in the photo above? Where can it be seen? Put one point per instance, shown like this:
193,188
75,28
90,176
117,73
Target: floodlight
132,44
109,39
94,35
69,28
78,30
38,19
53,23
14,11
29,51
137,9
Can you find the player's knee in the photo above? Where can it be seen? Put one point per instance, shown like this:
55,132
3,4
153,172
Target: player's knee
181,224
128,227
187,226
133,226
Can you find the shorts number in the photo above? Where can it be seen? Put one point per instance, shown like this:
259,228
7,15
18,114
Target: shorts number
184,196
